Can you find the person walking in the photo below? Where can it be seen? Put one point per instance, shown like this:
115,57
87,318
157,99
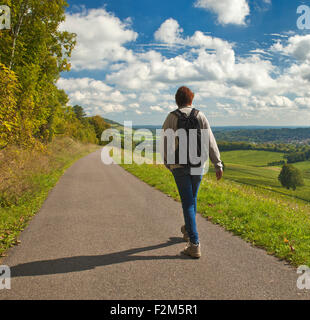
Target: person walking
188,182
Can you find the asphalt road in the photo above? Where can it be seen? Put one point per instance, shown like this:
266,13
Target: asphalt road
103,234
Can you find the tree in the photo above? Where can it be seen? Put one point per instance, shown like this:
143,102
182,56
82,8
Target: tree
8,110
290,177
79,112
100,125
37,51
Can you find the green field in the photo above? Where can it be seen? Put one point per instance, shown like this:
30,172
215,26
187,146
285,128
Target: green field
251,167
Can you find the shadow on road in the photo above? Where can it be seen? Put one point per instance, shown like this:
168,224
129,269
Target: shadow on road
81,263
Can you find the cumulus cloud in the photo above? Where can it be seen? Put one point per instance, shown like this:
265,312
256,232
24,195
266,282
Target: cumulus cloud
226,85
208,59
303,103
212,69
215,58
157,108
96,96
139,112
100,38
169,32
227,11
296,46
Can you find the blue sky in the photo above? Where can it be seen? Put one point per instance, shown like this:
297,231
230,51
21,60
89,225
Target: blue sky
246,61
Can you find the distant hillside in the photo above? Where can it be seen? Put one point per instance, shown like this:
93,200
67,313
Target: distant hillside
224,128
112,123
282,135
256,134
236,128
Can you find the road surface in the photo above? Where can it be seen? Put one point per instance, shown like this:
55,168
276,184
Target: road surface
104,234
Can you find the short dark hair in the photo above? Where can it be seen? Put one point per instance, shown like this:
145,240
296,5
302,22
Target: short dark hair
184,97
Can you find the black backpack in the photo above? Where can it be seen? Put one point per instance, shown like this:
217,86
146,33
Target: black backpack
188,122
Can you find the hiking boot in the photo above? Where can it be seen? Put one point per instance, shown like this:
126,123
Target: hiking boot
192,250
185,234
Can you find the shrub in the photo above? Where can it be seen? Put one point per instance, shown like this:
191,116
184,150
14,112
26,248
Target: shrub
290,177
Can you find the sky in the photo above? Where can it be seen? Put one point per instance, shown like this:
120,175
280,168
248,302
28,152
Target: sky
247,61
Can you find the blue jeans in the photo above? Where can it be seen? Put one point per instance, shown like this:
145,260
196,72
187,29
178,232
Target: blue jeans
188,186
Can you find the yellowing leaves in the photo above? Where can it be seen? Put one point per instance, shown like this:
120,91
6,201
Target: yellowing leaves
289,243
8,108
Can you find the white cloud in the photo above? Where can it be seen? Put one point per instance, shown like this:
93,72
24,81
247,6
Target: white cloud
225,85
215,60
157,108
303,102
228,11
211,59
278,102
100,38
95,96
75,84
296,46
134,105
169,32
253,73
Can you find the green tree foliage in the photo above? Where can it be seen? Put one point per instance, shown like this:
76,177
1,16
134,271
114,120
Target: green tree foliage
276,163
79,112
8,110
32,55
240,145
37,51
99,125
67,124
298,156
290,177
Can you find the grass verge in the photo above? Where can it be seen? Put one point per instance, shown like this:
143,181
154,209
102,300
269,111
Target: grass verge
26,177
272,221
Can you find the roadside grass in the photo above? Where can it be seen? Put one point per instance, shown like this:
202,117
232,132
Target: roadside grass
275,222
26,177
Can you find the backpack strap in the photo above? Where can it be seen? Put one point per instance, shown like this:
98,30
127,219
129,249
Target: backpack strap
178,113
194,113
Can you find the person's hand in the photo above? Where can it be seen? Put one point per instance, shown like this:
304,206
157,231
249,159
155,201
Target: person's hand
219,174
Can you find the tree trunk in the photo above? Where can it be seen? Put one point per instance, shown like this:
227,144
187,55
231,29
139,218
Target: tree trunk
23,10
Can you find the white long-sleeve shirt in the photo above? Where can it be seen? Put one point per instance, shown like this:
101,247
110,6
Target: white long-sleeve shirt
171,122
